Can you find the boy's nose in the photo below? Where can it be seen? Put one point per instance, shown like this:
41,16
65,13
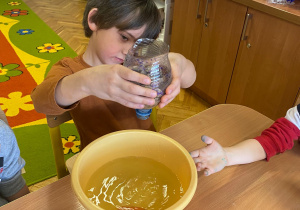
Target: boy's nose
126,49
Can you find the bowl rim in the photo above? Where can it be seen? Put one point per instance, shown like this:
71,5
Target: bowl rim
181,204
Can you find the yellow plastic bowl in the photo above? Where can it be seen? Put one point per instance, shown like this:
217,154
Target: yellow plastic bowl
135,143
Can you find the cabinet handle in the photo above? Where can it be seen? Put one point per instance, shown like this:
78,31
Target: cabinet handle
205,14
198,15
249,16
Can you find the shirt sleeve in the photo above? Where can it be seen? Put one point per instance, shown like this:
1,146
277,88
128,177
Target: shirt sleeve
12,162
281,135
12,186
293,115
43,96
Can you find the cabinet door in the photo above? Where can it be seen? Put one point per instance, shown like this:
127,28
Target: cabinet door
222,28
186,28
267,72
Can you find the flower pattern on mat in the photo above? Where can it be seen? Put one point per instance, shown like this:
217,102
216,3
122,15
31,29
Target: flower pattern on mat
9,70
14,3
51,48
15,12
71,144
25,31
15,102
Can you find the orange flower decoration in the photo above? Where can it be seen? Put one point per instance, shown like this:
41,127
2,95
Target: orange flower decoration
15,12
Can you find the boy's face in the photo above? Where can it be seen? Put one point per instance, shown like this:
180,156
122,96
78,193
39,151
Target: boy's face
109,46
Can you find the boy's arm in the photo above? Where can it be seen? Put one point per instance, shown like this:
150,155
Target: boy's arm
183,76
182,68
109,82
62,88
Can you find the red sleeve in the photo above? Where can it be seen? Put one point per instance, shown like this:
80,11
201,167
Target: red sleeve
279,137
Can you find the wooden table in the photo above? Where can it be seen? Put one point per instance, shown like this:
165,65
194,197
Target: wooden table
260,185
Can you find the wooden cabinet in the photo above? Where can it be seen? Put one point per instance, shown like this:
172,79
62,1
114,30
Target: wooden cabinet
208,33
242,55
187,28
266,75
221,33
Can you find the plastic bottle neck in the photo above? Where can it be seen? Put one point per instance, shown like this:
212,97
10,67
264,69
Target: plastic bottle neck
143,114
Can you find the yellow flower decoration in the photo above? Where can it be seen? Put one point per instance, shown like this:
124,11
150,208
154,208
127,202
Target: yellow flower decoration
14,3
70,144
51,48
15,102
3,71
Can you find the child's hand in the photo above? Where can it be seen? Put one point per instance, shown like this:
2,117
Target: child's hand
184,75
211,158
108,82
114,82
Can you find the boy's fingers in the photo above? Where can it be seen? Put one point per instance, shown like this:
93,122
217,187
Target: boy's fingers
137,90
133,101
169,89
129,104
161,105
173,86
133,76
168,97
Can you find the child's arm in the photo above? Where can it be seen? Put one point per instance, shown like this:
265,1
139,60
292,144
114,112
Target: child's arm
12,184
184,75
182,68
109,82
23,191
278,138
214,157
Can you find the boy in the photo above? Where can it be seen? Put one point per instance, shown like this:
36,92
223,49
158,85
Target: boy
95,87
276,139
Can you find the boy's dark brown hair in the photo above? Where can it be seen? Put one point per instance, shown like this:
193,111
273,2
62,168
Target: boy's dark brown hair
124,15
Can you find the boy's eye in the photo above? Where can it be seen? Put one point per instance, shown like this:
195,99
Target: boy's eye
124,37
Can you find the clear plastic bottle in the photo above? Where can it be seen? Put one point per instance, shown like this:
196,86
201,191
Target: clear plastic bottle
150,57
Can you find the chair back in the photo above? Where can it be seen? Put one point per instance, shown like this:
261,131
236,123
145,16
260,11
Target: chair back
54,122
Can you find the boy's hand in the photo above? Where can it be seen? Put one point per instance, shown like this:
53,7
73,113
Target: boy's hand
183,74
114,82
173,89
211,158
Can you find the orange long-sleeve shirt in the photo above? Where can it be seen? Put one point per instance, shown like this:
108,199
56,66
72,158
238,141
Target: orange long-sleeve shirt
93,117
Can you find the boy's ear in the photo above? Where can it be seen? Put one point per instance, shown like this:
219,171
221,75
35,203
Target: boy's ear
92,25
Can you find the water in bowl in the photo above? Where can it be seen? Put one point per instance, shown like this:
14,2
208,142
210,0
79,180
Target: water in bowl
134,183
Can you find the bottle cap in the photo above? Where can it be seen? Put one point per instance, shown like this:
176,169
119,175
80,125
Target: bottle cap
143,114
